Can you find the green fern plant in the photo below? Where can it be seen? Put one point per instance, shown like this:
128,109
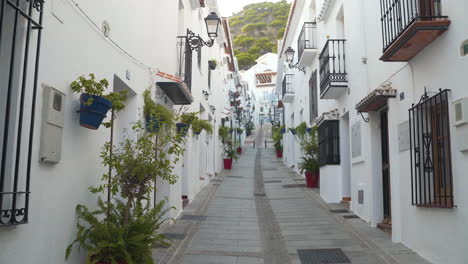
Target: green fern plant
112,240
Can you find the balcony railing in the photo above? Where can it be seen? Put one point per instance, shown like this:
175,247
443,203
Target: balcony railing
307,38
333,65
403,20
184,62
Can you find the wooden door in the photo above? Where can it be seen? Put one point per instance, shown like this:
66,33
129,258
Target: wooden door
385,165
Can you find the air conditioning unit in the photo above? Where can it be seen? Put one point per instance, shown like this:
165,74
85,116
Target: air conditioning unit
461,112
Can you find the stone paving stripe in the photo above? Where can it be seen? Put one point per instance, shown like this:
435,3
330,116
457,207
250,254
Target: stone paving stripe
320,256
193,217
274,246
350,216
339,211
288,186
273,181
237,177
174,236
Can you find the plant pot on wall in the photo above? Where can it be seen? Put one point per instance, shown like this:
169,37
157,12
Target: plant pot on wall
182,129
227,164
293,131
312,179
93,111
212,64
152,124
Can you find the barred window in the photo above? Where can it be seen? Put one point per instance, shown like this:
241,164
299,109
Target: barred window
20,37
431,161
329,142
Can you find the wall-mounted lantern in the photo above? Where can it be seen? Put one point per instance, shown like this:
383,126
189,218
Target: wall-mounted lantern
212,22
289,53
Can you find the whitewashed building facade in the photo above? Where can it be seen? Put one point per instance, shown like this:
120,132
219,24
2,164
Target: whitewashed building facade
384,81
44,46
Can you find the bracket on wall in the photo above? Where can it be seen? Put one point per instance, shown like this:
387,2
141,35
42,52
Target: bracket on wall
366,119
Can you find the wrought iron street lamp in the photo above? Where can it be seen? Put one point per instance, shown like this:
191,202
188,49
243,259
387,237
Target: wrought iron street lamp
212,22
289,53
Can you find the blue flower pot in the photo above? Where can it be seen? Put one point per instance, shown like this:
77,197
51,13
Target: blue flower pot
91,115
182,129
293,131
152,124
283,130
231,130
197,133
309,130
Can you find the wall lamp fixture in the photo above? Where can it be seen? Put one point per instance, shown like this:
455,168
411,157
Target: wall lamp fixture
289,59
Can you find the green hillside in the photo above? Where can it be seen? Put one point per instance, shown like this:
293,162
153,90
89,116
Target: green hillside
256,29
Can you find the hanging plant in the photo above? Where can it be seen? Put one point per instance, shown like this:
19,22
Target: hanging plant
301,129
156,115
95,102
240,130
293,131
199,125
186,121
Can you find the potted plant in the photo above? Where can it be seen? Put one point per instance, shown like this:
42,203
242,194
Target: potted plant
231,130
223,133
212,64
125,230
310,161
95,102
240,130
199,125
301,129
155,114
186,121
277,136
230,154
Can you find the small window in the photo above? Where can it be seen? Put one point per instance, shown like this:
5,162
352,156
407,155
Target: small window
464,48
329,142
431,161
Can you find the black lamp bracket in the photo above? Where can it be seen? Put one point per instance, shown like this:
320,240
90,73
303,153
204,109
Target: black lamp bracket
196,42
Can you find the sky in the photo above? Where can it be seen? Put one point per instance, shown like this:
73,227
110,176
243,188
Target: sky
228,7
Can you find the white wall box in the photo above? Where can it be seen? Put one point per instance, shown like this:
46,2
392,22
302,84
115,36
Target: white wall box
461,111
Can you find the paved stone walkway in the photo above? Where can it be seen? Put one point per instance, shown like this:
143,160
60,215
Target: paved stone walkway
260,212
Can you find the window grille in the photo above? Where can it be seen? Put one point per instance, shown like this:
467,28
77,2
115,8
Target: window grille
329,142
20,38
431,161
313,96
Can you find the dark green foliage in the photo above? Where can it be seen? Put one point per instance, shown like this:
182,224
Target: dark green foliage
198,125
255,30
223,133
189,118
301,129
310,151
156,111
112,240
277,137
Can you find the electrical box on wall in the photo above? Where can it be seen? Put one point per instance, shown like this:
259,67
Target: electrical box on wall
461,124
52,125
461,112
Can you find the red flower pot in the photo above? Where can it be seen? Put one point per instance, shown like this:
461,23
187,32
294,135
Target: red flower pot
312,179
239,151
279,154
227,164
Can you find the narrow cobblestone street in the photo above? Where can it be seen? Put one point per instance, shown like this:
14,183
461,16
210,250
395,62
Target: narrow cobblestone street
260,212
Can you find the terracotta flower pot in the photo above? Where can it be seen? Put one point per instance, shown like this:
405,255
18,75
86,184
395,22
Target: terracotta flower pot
227,164
312,179
279,154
